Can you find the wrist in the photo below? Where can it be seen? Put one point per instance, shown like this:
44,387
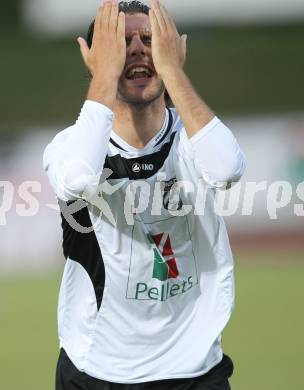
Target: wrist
172,73
104,79
174,79
103,90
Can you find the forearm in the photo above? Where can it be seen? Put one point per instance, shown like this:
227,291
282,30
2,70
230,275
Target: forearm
215,151
194,112
103,90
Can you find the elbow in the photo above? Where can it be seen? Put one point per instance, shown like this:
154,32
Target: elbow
233,169
219,158
80,187
72,184
71,190
227,171
77,180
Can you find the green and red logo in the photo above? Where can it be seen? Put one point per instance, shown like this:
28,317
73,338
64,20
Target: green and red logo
162,265
165,266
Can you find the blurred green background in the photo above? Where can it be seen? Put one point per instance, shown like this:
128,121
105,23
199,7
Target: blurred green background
262,66
240,70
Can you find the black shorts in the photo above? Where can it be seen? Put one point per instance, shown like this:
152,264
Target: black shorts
69,378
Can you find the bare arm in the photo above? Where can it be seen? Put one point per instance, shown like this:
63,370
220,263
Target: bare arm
214,150
169,54
193,111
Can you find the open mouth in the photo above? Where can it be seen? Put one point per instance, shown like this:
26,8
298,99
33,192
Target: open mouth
139,73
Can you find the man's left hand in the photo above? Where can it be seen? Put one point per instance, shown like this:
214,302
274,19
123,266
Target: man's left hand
168,47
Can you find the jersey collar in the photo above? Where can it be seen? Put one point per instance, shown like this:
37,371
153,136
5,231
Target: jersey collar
157,140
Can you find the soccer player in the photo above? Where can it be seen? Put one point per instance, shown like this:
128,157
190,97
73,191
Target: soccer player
148,283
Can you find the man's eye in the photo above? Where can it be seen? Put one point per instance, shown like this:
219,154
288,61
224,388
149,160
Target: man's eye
147,40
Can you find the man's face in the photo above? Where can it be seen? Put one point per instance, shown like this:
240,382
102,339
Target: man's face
139,83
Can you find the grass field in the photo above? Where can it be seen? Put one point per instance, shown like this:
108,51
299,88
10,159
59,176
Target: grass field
265,336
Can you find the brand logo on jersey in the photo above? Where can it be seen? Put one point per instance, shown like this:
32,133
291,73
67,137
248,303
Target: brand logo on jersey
136,167
165,266
171,197
165,291
160,279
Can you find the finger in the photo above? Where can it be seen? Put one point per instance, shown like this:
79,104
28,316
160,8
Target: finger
167,19
159,17
165,16
154,24
106,15
100,12
121,26
84,49
114,16
184,45
98,22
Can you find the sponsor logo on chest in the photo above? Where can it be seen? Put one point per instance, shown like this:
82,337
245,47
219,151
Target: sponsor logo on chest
163,279
137,167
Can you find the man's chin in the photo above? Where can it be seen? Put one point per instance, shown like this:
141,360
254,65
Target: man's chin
137,94
141,97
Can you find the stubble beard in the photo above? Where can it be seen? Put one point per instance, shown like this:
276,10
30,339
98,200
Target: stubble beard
140,102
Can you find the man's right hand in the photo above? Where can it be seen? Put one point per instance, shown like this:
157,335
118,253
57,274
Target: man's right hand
107,56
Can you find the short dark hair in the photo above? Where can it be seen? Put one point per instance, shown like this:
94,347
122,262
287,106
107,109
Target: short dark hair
128,7
134,7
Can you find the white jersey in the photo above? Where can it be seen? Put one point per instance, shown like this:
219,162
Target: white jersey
148,283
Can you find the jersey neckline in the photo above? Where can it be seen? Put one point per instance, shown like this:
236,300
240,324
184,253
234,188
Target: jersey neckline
121,144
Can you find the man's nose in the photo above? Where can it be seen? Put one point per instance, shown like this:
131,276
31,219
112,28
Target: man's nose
137,47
